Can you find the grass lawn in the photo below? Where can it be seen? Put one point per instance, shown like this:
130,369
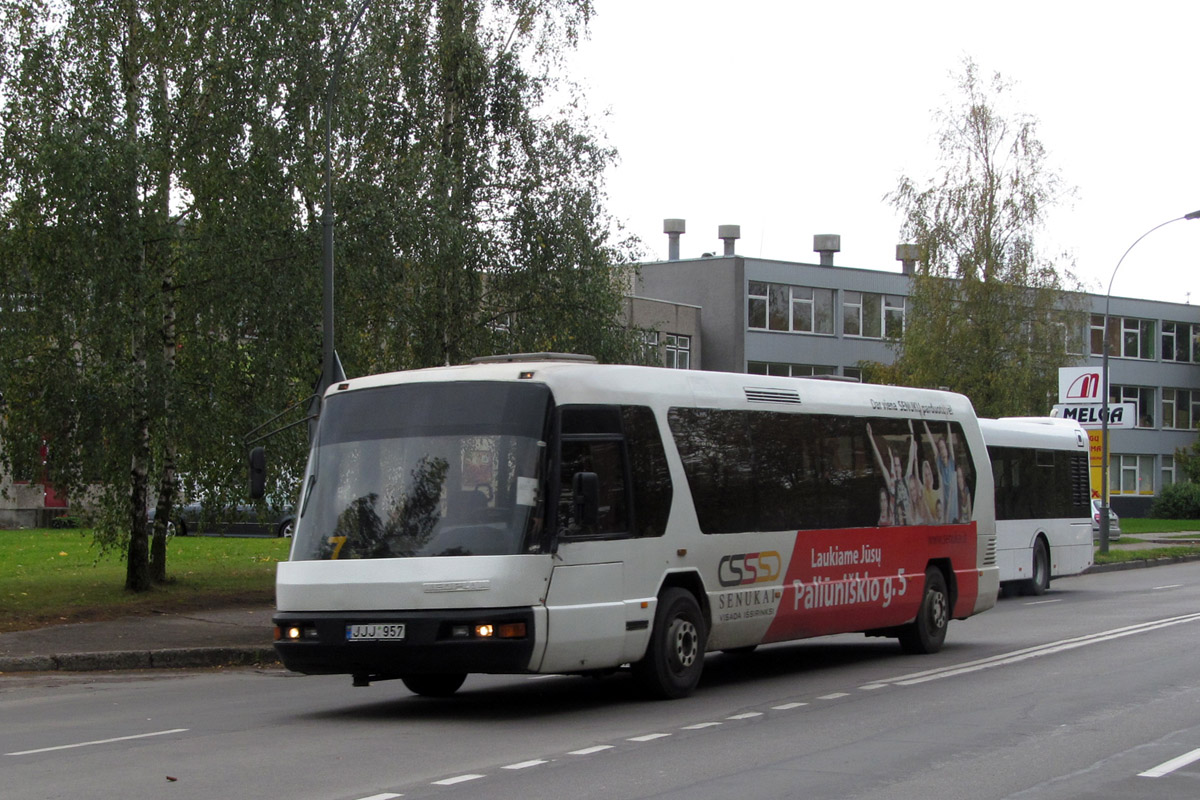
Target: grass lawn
1169,528
49,576
1159,525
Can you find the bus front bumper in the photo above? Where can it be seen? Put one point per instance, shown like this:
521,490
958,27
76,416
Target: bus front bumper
393,644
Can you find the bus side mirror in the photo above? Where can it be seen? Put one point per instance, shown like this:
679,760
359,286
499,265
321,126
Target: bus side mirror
585,488
258,473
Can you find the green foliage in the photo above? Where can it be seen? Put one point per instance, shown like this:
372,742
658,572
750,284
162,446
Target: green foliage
161,187
1188,460
988,315
1177,501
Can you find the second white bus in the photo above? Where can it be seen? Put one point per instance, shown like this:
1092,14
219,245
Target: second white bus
1043,499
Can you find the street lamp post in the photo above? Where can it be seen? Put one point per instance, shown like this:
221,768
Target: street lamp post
331,367
1104,523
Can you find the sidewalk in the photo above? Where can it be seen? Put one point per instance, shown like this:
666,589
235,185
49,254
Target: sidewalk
234,637
223,637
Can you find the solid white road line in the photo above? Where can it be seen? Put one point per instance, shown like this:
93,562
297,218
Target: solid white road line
1168,767
1037,651
97,741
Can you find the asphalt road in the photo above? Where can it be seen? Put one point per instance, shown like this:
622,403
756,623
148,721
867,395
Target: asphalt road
1090,691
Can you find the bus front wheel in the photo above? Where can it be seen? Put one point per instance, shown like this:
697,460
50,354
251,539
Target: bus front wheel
927,632
434,685
675,658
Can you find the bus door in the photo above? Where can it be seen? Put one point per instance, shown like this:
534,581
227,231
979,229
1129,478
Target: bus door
596,619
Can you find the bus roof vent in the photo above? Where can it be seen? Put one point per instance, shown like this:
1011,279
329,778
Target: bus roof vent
760,395
521,357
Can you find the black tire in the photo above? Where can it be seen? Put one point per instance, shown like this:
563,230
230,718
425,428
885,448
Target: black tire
1039,581
927,632
434,685
675,658
285,529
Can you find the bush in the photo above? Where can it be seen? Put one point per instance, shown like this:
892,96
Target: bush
66,521
1177,501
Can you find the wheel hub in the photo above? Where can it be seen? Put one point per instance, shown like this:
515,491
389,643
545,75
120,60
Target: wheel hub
685,640
939,612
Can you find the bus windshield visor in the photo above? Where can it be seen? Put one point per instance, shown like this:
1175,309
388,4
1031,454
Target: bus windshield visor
426,469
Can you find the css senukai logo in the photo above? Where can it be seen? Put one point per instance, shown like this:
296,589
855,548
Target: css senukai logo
748,568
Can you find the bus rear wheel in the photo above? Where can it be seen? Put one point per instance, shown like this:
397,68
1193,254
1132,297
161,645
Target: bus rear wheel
675,658
434,685
927,632
1040,580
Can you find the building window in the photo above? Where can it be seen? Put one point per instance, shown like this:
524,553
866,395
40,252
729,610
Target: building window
788,370
795,309
1072,335
893,316
1181,409
650,350
1181,342
853,373
1140,396
1131,474
1168,471
1137,338
678,351
872,316
1097,333
1128,337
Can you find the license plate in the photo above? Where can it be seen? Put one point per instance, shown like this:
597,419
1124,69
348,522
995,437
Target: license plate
375,632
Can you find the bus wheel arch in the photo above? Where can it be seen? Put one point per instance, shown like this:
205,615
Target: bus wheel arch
675,655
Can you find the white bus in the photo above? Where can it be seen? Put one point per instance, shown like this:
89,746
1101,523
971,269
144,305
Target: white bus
1043,499
542,514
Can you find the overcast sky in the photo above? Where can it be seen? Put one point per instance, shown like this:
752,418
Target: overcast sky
796,118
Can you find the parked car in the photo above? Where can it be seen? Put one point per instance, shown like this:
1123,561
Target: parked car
1114,522
242,519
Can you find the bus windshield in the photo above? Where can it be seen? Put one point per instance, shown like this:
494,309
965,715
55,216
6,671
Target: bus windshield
426,469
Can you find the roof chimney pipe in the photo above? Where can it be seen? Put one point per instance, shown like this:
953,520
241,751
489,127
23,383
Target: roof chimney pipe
827,244
729,234
673,228
908,255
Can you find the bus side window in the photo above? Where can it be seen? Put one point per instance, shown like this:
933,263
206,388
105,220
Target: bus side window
606,459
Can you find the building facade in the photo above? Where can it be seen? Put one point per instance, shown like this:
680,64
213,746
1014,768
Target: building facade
801,319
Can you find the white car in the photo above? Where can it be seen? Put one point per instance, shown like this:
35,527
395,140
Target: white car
1114,522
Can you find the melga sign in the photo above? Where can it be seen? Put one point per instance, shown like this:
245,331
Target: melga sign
1091,415
1081,398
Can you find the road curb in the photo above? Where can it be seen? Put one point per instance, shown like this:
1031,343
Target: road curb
1140,563
175,658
